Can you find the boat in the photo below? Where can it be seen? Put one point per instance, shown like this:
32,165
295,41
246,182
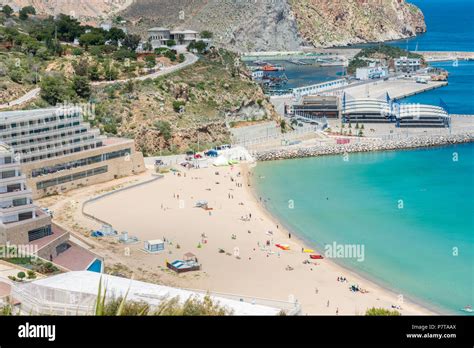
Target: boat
270,67
308,250
467,309
283,246
316,256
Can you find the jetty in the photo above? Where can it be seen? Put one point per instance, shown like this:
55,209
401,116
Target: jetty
445,56
396,88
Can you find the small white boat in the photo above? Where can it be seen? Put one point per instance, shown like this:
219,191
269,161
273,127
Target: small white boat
467,309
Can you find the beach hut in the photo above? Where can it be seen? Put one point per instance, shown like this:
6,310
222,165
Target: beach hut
154,246
221,161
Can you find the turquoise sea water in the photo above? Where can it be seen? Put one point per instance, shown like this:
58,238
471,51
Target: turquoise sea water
458,94
450,26
412,210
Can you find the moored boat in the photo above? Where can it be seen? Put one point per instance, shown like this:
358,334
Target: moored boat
316,256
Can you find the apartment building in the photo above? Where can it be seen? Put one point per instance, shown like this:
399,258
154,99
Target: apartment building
159,37
24,225
59,151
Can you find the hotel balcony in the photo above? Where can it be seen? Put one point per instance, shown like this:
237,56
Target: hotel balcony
17,193
19,129
13,180
62,148
37,214
83,137
56,132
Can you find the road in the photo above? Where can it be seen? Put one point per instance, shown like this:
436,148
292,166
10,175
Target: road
190,59
23,99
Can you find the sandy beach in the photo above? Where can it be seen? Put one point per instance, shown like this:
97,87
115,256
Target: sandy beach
165,209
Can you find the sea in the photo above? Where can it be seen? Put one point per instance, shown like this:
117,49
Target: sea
412,210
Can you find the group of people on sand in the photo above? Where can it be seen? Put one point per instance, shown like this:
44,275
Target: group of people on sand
342,279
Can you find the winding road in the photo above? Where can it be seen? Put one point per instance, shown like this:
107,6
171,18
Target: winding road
190,59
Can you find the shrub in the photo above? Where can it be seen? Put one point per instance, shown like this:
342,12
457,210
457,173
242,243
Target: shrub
76,51
21,275
54,89
381,312
31,274
177,104
164,128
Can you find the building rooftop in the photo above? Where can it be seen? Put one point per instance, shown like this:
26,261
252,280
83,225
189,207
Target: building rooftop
75,258
88,283
184,32
158,29
17,114
57,232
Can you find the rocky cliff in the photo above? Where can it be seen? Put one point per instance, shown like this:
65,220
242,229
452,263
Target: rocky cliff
262,25
337,23
284,24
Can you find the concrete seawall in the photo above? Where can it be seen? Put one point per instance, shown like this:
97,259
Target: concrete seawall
376,145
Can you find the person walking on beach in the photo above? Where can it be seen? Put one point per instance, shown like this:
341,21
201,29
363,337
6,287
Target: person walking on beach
289,235
337,311
328,304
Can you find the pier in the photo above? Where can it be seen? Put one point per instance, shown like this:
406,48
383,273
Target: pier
397,88
445,56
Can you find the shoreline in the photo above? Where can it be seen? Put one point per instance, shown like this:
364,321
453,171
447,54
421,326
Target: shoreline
257,273
377,145
416,303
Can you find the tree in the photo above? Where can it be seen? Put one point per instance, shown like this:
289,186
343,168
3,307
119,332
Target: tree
68,28
206,34
91,39
171,55
54,89
115,35
147,46
200,46
110,72
82,86
170,43
150,61
7,10
93,73
25,11
131,41
21,275
381,312
81,67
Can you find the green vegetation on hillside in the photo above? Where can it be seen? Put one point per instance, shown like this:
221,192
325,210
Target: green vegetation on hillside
386,52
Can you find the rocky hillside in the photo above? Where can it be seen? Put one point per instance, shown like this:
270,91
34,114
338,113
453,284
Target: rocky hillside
262,25
237,25
337,23
284,24
173,113
77,8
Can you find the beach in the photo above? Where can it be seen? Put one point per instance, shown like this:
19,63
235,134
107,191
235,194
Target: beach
236,224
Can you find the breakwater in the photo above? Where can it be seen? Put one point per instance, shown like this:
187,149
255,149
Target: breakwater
376,145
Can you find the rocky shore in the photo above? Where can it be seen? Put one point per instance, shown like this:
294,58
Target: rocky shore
377,145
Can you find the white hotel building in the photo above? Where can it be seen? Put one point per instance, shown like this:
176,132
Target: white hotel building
59,151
